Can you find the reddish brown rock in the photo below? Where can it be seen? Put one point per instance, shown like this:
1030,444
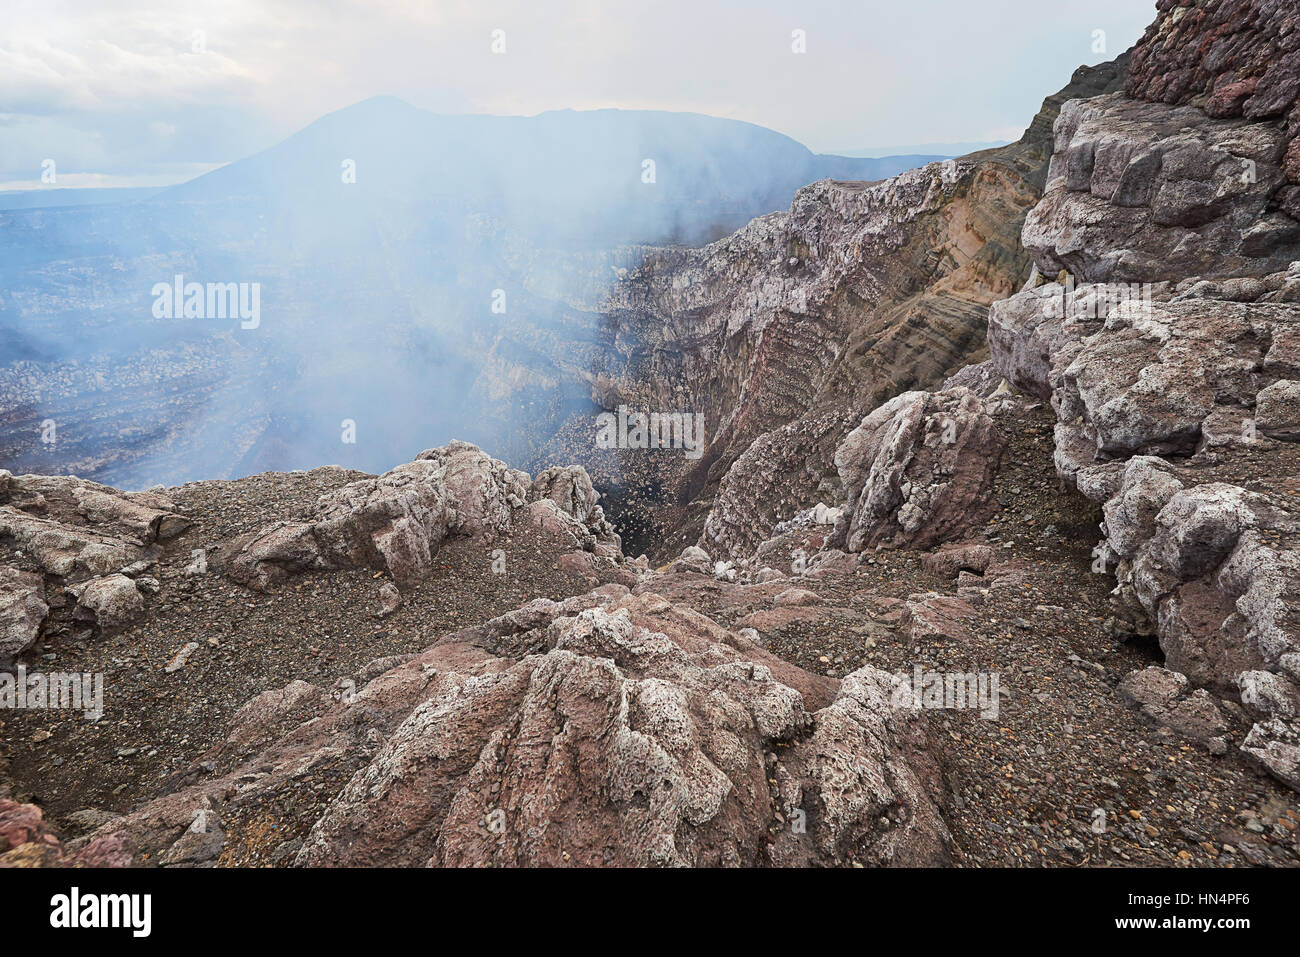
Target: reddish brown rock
951,559
25,841
1241,57
582,564
607,730
775,619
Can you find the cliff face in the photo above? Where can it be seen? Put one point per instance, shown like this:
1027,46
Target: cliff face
786,333
1237,58
1160,321
790,329
1195,168
1176,406
1141,192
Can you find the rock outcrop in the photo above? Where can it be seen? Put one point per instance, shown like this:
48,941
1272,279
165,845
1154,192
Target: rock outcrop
76,547
1158,401
1234,58
1146,192
1274,699
604,730
398,520
1195,169
1170,349
918,471
658,719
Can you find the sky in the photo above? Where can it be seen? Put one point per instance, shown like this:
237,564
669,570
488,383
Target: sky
134,93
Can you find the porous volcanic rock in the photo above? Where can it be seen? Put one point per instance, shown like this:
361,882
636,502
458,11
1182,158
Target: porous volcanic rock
605,730
918,471
78,537
1147,192
1157,373
397,521
1149,392
569,487
1234,57
26,841
1165,698
111,601
1274,740
22,610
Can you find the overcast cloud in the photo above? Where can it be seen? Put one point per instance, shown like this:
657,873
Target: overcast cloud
124,92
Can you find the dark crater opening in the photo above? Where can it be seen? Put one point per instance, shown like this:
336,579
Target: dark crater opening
631,509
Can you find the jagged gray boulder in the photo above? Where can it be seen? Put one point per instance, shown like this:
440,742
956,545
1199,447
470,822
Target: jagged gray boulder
918,471
111,602
398,520
1277,410
1165,698
1216,566
1150,382
1142,191
22,610
569,487
694,559
1274,741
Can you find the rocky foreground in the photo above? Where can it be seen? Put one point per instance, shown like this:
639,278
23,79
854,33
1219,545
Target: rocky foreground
696,714
593,729
1095,514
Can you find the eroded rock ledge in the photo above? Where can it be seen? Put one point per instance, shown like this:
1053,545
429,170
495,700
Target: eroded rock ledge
396,521
1170,354
608,729
78,548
